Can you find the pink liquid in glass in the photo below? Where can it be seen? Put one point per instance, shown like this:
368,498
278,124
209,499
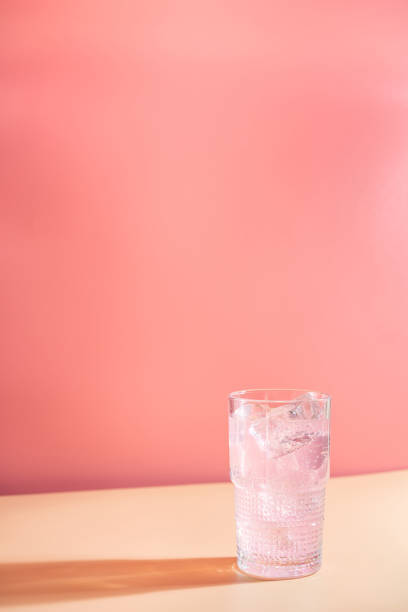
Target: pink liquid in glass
279,466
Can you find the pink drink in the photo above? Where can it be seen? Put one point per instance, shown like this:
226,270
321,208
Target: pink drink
279,450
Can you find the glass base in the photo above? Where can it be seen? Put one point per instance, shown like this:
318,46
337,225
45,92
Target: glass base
279,572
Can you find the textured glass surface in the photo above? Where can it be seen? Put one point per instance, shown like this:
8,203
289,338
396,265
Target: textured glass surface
279,459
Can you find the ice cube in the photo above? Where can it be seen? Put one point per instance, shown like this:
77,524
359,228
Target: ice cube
243,410
237,424
315,456
279,437
260,430
307,406
240,419
291,443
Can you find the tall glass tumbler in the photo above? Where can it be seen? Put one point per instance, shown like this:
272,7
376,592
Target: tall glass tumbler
279,459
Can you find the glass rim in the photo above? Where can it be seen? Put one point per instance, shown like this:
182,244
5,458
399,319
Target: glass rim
244,395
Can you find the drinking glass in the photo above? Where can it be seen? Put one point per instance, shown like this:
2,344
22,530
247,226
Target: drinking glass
279,460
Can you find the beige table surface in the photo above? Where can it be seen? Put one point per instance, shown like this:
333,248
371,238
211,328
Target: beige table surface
172,548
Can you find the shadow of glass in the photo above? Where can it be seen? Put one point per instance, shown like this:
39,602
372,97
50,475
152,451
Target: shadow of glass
22,583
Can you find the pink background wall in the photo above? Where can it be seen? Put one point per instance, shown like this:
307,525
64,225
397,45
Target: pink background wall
198,197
